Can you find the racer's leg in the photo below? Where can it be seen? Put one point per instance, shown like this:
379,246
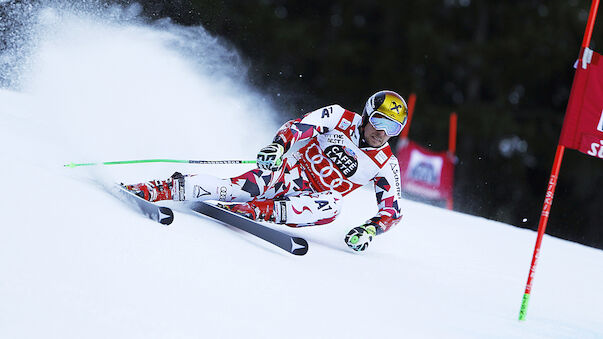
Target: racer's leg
307,209
200,187
300,209
256,183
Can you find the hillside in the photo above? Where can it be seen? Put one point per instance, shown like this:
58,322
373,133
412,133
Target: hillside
77,263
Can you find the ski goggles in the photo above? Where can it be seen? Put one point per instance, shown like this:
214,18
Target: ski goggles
381,123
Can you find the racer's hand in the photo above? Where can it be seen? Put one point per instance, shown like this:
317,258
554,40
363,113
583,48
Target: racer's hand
358,238
271,157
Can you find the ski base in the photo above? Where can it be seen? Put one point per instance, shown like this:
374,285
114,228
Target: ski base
162,215
291,244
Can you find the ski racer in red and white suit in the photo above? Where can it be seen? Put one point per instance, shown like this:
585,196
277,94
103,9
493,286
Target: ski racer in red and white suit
312,163
335,159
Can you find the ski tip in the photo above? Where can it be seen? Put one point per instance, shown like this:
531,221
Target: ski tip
299,246
167,215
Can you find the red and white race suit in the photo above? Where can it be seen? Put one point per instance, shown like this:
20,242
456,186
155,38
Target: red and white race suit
324,161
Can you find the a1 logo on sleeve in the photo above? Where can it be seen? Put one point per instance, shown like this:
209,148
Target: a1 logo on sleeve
600,126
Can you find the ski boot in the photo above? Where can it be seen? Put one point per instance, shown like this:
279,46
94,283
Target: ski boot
257,210
156,190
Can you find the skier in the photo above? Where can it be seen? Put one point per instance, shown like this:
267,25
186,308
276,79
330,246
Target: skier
311,164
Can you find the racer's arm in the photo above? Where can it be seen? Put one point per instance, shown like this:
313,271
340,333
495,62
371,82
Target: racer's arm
388,188
316,122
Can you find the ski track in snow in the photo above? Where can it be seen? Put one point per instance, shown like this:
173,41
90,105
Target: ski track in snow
77,263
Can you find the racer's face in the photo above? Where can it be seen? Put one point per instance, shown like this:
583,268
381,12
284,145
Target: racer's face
374,137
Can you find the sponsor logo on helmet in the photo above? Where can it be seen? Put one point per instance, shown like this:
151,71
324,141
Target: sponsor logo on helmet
394,106
345,159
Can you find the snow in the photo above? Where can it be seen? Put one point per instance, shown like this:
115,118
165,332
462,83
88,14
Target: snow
77,263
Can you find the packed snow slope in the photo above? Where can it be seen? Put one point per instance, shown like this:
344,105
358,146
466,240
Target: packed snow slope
77,263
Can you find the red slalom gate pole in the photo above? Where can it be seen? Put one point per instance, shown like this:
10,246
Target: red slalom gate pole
452,133
550,192
451,150
412,99
544,218
590,24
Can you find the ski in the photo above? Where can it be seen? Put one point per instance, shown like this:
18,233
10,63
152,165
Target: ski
162,215
291,244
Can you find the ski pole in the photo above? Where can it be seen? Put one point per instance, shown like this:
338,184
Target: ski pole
198,162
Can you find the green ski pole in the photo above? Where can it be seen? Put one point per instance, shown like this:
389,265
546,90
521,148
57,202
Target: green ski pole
198,162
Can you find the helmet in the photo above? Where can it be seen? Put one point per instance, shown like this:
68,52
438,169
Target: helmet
389,104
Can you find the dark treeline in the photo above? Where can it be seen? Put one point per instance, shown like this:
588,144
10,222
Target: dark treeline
504,66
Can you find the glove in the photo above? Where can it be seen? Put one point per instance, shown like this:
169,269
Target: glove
358,238
270,157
